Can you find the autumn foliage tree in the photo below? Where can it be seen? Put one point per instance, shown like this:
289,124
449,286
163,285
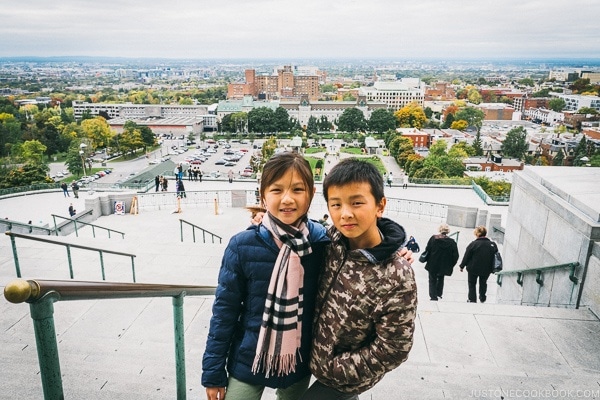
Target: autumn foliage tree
411,116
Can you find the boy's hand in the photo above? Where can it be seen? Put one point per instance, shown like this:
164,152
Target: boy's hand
407,254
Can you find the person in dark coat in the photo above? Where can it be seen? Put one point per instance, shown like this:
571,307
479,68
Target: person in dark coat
442,256
156,182
412,245
72,211
248,345
479,261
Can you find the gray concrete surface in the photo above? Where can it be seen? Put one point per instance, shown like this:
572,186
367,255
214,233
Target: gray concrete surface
124,349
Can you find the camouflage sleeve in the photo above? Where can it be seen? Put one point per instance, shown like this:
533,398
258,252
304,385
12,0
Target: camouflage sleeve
393,337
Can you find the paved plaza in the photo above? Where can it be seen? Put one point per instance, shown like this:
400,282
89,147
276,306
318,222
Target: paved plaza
123,349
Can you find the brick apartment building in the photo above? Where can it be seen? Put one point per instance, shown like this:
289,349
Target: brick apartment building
284,84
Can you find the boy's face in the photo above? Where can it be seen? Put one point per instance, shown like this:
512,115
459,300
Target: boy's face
354,213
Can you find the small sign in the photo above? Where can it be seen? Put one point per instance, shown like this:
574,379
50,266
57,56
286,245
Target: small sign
120,207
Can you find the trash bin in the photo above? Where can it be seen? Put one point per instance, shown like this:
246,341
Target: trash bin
104,164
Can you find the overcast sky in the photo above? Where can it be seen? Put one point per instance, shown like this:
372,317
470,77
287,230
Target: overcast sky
301,29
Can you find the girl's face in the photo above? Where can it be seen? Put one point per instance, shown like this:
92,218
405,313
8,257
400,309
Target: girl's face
288,198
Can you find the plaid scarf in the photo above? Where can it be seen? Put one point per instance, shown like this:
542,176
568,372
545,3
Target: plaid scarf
281,328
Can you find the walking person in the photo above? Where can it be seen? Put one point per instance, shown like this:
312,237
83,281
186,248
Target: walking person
479,261
442,255
268,269
156,182
65,189
75,188
72,211
412,245
230,176
180,189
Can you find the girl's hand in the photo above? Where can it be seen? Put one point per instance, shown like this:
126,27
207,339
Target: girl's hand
215,393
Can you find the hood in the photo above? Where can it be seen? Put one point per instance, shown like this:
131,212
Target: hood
393,238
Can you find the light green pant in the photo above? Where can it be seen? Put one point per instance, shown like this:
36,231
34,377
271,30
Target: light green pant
238,390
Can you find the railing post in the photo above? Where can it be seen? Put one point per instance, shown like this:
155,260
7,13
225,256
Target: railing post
179,334
102,264
42,312
194,233
133,267
181,230
69,260
109,233
94,232
15,257
55,226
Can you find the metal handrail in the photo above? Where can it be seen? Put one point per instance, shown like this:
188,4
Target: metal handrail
194,227
42,294
68,246
539,273
94,226
457,234
30,227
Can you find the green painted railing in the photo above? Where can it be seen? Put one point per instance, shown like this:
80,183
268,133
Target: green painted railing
539,273
457,234
28,227
42,294
194,227
76,221
101,252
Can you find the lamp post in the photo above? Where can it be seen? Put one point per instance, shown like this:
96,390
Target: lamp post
82,146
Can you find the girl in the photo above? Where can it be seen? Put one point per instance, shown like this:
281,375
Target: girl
260,331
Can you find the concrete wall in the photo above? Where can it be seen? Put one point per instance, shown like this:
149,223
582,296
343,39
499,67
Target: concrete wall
546,226
590,295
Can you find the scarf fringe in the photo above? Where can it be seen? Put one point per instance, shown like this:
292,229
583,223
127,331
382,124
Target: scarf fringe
282,364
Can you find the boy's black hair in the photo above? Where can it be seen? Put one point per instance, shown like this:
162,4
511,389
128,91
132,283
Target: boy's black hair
353,170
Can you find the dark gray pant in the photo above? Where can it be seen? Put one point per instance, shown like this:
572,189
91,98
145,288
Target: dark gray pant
318,391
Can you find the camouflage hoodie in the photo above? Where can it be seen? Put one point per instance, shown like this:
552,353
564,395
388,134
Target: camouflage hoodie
366,306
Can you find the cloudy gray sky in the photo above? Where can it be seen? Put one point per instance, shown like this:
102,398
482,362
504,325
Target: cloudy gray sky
301,28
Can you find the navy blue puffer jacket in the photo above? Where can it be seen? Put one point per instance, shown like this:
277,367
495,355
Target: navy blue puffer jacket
239,303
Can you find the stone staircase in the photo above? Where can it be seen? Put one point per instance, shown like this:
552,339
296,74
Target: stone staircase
123,349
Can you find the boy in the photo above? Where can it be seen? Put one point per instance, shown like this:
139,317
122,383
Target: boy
367,300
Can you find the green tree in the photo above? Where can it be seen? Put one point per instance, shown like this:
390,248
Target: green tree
282,120
261,119
26,174
33,151
587,110
381,121
352,120
324,124
461,150
473,116
477,145
559,158
430,172
557,104
526,82
515,143
312,126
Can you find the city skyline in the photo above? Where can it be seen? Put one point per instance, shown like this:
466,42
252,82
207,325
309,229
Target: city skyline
308,29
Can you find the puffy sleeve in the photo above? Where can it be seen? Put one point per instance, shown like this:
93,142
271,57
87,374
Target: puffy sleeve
231,290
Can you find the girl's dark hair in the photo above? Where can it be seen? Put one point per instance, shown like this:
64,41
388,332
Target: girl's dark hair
281,163
351,170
